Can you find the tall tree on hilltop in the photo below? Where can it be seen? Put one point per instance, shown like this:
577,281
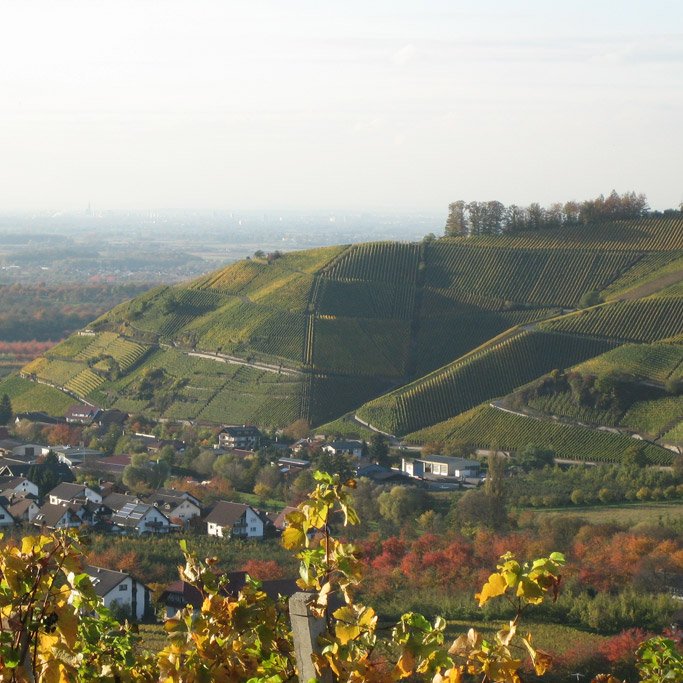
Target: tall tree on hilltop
455,223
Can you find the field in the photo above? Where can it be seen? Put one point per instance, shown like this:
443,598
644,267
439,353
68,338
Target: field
626,514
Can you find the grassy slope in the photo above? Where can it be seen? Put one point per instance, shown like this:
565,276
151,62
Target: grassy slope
356,320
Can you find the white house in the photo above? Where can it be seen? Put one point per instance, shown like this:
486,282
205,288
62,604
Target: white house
141,518
17,485
69,493
22,507
441,466
234,520
6,518
176,504
120,590
60,516
346,447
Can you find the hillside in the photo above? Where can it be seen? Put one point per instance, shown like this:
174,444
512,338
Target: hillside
441,326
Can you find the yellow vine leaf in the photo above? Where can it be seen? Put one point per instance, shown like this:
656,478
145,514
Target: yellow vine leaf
293,538
495,586
405,665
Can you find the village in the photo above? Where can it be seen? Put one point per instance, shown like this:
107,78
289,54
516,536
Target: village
50,487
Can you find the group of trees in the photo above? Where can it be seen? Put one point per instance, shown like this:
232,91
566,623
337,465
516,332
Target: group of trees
494,218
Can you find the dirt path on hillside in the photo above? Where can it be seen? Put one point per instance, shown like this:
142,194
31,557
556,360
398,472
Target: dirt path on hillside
651,287
234,360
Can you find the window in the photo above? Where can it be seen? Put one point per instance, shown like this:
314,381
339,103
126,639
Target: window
123,587
2,516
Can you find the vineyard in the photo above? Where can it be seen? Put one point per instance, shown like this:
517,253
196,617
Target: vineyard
487,427
522,275
28,396
646,269
564,405
492,371
391,262
656,362
451,322
675,435
443,338
641,234
654,418
645,320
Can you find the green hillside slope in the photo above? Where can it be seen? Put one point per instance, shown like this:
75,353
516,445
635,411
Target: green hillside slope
488,427
318,333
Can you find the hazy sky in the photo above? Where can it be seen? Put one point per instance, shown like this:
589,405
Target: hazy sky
337,103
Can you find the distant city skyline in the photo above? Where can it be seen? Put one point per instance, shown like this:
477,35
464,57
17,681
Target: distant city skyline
337,106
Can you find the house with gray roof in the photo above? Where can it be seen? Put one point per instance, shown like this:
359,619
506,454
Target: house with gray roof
140,518
441,467
234,520
120,591
60,516
67,492
179,505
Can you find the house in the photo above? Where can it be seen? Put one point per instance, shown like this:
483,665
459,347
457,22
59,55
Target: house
22,507
293,465
280,522
73,493
176,504
441,466
74,456
234,520
80,413
236,436
6,518
11,467
140,518
60,516
120,591
10,484
346,447
180,594
115,501
114,464
380,474
24,452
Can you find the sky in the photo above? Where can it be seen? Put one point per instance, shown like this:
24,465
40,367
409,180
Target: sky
337,104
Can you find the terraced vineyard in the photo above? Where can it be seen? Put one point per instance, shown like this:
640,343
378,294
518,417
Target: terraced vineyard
486,427
646,320
318,333
656,362
522,275
493,371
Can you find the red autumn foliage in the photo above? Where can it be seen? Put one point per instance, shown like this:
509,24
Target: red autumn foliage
263,570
